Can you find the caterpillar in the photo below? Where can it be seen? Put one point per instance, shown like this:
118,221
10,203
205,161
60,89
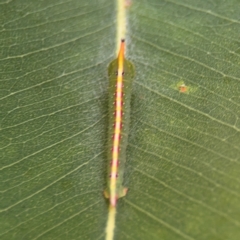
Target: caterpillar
121,74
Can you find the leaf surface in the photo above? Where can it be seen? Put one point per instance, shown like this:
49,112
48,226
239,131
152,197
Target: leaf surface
183,160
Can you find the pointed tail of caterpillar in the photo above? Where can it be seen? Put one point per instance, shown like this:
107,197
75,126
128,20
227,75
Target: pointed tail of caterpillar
121,74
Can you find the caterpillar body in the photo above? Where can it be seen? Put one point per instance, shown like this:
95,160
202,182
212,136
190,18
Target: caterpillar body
121,74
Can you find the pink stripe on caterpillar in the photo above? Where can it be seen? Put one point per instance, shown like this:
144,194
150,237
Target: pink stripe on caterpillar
119,94
119,104
114,163
113,175
115,148
119,85
117,137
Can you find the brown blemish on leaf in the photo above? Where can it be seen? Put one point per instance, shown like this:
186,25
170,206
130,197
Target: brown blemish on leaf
181,87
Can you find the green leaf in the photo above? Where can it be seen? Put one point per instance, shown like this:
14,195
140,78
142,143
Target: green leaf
183,160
